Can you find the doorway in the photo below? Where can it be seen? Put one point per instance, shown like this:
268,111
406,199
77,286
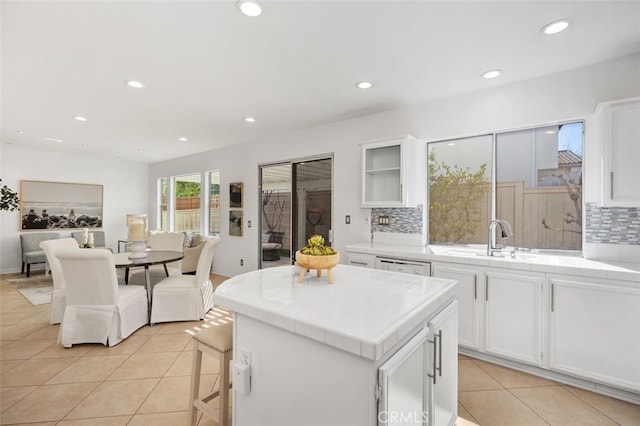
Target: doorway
296,202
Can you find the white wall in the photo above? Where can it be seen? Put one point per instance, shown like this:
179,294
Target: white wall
560,97
125,191
130,187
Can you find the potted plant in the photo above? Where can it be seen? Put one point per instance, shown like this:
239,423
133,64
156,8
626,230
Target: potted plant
315,255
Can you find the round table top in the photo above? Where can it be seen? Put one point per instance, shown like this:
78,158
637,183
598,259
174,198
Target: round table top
153,257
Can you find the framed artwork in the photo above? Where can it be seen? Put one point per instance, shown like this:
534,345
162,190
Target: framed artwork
235,195
53,205
235,223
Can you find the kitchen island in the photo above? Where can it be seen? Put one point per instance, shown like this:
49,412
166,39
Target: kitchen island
373,346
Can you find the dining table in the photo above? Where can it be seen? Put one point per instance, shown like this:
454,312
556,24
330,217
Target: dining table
153,257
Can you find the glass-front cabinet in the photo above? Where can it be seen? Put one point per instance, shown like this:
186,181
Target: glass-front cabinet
392,173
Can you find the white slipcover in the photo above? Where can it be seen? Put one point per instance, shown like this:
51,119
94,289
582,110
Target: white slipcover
161,241
58,295
186,297
98,309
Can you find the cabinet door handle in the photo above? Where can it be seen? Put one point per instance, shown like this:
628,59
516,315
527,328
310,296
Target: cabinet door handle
440,353
435,351
611,182
358,263
553,301
475,286
486,288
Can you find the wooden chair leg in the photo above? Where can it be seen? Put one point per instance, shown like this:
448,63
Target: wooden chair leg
28,270
194,392
225,359
22,269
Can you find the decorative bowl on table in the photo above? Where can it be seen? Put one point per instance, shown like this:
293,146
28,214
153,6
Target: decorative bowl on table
317,256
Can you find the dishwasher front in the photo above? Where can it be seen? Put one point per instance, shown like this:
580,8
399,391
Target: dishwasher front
403,265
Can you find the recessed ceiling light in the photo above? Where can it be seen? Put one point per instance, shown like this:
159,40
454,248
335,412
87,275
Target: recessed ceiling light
450,144
20,132
183,139
135,84
250,119
491,74
53,140
80,118
550,132
555,27
250,8
141,150
364,85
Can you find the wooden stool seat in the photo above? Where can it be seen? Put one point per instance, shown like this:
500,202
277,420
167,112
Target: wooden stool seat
216,341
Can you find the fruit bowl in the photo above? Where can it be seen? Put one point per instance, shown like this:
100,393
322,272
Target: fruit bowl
307,262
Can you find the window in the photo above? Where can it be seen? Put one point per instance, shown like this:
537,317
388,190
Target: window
537,187
187,203
459,176
214,202
163,198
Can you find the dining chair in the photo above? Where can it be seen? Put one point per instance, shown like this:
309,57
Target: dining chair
98,309
58,295
30,248
169,241
186,297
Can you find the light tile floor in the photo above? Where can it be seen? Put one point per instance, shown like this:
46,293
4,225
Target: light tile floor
145,379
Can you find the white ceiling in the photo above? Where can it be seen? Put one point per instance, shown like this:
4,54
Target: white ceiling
206,66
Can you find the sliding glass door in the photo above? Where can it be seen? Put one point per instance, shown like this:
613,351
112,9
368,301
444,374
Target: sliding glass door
296,201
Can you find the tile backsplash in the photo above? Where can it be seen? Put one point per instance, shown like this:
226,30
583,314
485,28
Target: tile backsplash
401,220
612,225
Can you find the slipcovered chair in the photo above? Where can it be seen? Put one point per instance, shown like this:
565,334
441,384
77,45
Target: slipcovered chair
98,309
186,297
98,238
170,241
59,295
192,254
31,251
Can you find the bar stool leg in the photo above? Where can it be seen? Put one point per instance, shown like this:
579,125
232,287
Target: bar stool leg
195,383
225,358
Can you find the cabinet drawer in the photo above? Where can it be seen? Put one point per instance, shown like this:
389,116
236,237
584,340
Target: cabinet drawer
360,259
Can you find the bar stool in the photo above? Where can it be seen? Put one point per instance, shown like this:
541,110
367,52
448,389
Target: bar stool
216,341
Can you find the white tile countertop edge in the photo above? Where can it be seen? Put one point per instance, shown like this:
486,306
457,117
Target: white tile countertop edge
365,312
569,265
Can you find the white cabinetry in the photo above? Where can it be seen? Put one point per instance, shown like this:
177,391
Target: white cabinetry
468,300
513,315
418,384
619,124
443,401
595,331
361,259
393,173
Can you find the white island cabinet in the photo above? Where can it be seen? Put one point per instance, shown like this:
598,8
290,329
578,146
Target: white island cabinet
375,347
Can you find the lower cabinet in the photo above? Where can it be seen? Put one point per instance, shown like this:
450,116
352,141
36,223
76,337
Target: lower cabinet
418,384
443,332
595,331
361,259
513,314
468,300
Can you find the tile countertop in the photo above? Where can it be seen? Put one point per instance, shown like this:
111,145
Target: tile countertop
365,312
568,265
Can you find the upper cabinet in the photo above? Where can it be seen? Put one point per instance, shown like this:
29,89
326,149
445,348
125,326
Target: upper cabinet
393,173
619,131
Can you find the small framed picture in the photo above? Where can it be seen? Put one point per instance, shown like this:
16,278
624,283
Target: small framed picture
235,223
235,195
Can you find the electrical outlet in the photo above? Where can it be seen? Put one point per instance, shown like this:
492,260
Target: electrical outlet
347,219
383,220
241,262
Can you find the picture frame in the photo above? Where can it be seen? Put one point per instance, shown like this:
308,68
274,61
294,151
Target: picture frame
235,194
235,223
60,205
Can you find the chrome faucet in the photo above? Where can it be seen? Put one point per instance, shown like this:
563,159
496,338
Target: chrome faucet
492,247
